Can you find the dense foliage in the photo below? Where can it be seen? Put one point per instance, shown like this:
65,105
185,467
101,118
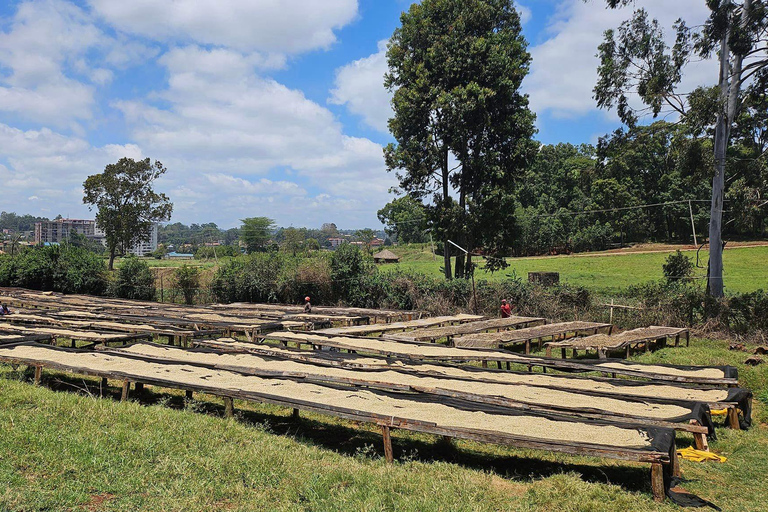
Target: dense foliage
133,280
186,280
63,269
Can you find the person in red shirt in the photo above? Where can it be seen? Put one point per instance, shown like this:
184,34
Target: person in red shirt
506,309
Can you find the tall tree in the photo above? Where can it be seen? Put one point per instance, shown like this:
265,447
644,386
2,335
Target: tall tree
128,205
637,59
461,125
404,218
255,233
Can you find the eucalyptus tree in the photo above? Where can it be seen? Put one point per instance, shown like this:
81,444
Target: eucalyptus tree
636,59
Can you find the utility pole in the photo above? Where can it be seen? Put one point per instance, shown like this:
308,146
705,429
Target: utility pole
693,226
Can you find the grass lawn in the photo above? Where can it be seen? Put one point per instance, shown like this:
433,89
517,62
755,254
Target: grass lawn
746,268
61,448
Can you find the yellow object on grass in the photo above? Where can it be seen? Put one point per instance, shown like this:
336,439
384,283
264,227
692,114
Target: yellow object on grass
699,456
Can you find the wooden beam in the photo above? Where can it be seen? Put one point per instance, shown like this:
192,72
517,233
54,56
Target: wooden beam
388,455
38,374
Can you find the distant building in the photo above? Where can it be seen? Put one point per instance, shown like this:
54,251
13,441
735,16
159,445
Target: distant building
335,242
179,256
59,230
377,242
140,249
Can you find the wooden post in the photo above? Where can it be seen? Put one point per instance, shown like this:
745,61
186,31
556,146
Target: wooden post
610,321
126,389
527,347
693,226
509,367
657,482
733,418
388,455
38,375
485,363
162,289
188,394
549,351
138,387
295,414
229,407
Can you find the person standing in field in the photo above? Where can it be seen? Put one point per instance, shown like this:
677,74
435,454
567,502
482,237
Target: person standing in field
506,309
307,305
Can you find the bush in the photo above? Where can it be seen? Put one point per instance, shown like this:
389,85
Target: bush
134,280
349,268
678,267
186,280
252,278
55,268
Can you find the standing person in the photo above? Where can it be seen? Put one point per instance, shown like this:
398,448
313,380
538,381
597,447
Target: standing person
307,305
4,310
506,309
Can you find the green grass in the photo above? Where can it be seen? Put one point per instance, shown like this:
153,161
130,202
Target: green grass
746,268
63,449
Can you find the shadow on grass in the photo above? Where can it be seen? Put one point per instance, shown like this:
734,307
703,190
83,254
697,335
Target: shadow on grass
354,439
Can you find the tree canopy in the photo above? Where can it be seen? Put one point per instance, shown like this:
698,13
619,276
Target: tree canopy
461,125
405,219
256,232
637,59
127,204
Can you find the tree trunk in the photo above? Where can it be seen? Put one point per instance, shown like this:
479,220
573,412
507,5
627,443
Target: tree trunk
730,90
112,258
446,210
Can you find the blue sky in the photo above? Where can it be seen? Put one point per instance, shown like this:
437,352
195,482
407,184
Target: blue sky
261,108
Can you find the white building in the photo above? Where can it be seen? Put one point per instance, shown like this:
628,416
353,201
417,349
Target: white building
140,249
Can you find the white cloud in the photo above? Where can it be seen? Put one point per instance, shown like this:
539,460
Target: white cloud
226,136
51,167
525,13
272,26
360,86
564,68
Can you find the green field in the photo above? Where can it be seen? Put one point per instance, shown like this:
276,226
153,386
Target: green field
746,268
62,448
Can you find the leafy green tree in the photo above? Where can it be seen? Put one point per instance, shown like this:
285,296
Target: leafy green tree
349,267
461,123
405,219
366,236
256,232
127,204
134,280
636,59
678,267
186,280
293,240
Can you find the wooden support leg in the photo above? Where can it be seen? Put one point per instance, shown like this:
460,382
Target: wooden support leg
126,390
549,351
733,418
687,338
700,441
527,346
498,363
295,414
38,375
188,394
229,407
485,363
509,367
657,482
388,455
575,353
138,387
674,463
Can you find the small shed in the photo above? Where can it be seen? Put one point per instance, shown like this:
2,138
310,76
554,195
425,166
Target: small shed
386,256
179,256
